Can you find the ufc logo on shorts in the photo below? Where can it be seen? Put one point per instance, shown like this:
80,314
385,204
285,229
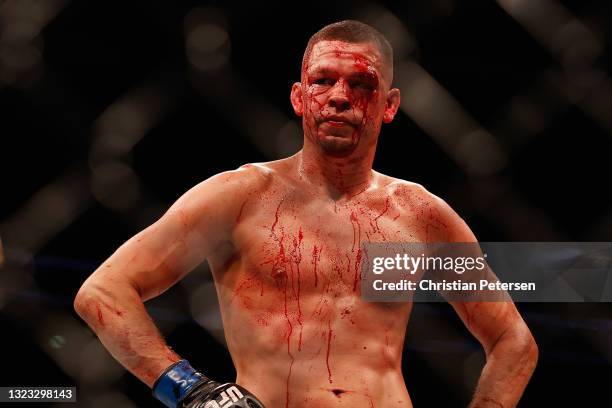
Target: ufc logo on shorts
225,400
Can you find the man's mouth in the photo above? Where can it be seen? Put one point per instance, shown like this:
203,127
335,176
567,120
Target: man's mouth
337,123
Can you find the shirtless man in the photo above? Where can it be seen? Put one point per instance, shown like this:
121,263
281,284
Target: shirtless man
283,241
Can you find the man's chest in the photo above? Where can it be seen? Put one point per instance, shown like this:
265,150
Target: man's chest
303,260
317,244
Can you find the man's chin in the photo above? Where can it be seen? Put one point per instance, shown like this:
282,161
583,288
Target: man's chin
337,145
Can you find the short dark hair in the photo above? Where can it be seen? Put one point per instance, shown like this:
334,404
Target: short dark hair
352,31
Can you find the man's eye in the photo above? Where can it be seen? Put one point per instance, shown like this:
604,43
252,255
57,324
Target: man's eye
362,85
324,81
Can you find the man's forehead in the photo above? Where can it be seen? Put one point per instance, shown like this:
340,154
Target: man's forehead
363,53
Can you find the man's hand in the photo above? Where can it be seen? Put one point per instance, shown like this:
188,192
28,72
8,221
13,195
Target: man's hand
212,394
183,387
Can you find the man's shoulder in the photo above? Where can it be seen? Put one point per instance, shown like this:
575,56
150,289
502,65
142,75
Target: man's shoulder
444,224
407,190
222,195
248,177
225,190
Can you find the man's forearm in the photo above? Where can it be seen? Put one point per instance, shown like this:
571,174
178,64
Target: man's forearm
509,366
117,315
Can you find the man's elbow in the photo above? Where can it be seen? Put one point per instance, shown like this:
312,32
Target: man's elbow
531,349
99,290
527,352
93,292
521,343
83,300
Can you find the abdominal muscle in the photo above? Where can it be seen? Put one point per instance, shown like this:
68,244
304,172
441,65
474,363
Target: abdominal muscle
332,351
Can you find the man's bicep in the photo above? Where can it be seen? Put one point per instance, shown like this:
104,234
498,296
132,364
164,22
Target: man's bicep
487,321
160,255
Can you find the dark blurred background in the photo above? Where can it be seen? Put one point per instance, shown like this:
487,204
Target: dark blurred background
110,110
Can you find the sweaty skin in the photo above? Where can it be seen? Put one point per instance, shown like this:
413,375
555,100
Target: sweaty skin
283,240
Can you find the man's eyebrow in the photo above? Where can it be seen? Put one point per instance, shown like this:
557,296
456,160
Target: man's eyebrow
365,75
321,70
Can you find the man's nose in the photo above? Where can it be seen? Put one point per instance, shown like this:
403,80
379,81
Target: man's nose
339,98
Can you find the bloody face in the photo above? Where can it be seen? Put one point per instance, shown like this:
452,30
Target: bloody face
343,95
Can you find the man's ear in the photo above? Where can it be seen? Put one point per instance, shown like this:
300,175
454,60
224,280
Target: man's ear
391,105
296,98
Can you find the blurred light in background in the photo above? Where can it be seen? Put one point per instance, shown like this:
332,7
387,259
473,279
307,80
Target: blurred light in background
556,29
120,127
403,43
474,149
46,213
115,185
575,46
207,42
74,339
21,47
125,122
57,341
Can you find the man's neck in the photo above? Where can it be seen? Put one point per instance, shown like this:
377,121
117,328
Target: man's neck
336,177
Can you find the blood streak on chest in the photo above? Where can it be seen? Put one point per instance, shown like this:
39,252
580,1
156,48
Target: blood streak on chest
357,276
283,275
297,259
375,220
329,339
356,231
316,258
